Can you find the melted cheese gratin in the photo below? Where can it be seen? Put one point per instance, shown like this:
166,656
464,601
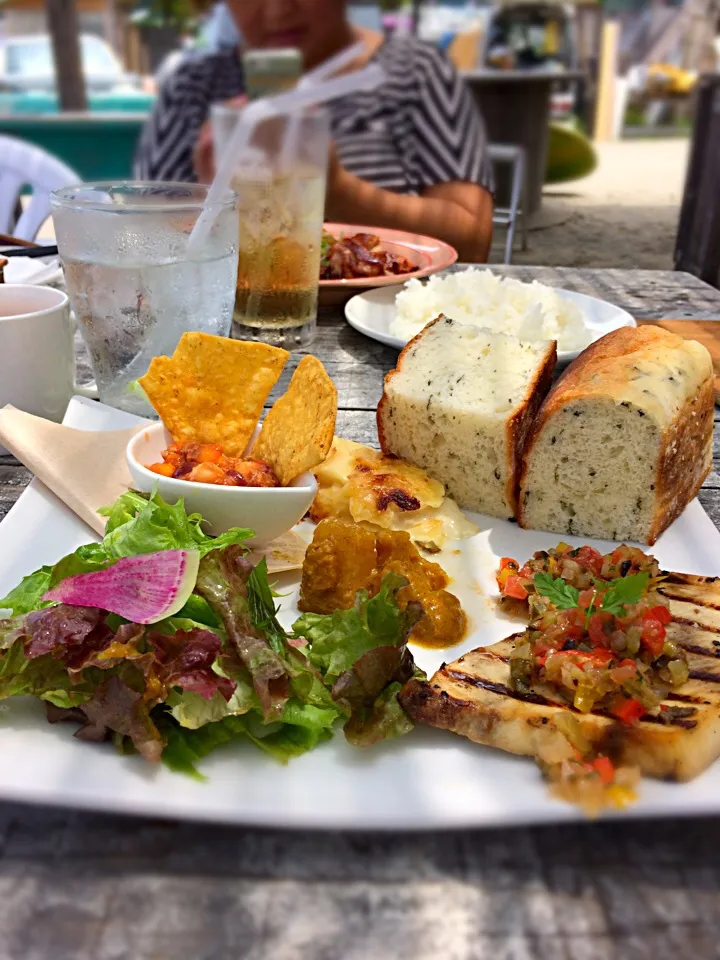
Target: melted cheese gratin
361,484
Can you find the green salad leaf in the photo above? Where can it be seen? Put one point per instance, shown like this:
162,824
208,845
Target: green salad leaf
45,678
325,243
337,640
186,748
193,711
223,669
383,720
363,656
137,523
28,594
262,607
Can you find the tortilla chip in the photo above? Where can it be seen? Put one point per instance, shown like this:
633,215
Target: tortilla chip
298,432
212,389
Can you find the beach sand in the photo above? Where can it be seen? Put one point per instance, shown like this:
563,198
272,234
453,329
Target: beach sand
625,214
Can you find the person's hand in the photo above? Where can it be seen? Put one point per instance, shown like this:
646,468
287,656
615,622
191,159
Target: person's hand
204,150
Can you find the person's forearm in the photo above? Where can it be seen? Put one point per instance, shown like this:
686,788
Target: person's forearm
352,200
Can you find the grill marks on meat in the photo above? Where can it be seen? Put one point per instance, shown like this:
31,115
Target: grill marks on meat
473,698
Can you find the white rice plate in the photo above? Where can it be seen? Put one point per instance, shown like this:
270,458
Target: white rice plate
528,311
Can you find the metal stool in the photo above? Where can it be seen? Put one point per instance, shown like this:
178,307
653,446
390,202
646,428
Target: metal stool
508,216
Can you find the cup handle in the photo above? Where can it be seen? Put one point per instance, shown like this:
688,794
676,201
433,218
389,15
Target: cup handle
88,390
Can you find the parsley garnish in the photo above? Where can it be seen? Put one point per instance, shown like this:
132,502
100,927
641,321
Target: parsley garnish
559,593
624,592
614,596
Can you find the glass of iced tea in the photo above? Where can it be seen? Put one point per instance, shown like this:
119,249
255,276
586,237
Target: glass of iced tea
280,183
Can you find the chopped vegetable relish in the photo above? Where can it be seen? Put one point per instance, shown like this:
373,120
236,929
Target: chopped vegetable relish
206,463
597,638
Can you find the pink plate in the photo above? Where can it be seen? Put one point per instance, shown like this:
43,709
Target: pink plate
429,254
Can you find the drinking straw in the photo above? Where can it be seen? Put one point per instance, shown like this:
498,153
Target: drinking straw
324,71
328,68
299,99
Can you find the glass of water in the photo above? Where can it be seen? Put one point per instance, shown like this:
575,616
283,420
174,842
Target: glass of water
132,286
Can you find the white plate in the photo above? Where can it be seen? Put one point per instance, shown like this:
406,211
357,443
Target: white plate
372,313
429,779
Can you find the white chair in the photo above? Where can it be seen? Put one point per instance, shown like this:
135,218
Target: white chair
23,164
509,216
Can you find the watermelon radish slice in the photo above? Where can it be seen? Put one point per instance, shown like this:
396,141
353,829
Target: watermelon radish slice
143,589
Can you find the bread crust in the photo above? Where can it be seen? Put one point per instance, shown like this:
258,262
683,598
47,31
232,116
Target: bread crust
517,427
520,424
685,459
605,369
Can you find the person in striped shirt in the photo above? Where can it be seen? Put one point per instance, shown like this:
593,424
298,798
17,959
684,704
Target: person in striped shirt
411,155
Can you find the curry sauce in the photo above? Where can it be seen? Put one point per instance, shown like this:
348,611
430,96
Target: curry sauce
346,557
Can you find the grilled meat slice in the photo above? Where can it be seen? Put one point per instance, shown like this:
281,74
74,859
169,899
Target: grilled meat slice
473,697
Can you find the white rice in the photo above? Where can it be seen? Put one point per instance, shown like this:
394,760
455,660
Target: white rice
529,311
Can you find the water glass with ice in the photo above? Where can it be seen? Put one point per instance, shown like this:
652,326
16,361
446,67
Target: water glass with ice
133,286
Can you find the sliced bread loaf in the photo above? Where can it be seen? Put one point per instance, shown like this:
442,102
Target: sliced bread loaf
459,404
623,442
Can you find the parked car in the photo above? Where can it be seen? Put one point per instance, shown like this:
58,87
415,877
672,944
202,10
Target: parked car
28,83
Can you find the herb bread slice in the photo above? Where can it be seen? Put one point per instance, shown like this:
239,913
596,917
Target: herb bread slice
623,441
460,403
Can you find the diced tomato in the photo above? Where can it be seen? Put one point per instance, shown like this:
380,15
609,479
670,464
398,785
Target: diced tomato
507,568
591,658
653,636
628,710
573,618
662,614
514,588
586,598
543,647
604,767
596,629
599,657
627,662
590,559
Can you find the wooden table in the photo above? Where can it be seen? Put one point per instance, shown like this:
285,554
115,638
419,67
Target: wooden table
85,886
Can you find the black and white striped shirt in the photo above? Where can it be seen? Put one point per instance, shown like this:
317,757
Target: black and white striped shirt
419,129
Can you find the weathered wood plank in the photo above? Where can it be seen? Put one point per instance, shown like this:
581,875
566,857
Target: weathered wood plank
80,885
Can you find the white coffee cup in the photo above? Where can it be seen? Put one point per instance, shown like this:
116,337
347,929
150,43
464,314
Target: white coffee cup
37,357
